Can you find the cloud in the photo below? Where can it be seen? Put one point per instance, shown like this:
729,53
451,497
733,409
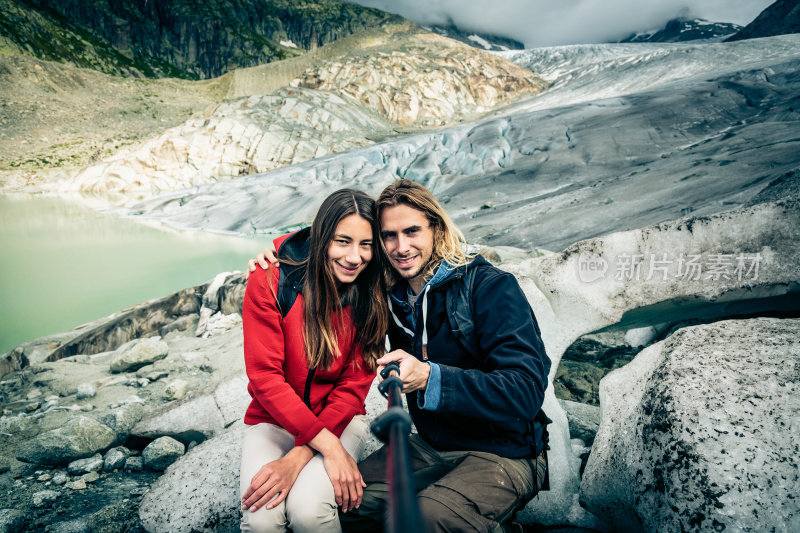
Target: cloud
548,23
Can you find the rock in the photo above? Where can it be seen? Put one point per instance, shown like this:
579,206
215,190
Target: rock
33,394
201,488
584,420
77,525
639,337
123,419
59,478
11,521
44,477
161,453
218,323
5,464
697,432
138,353
90,477
44,497
155,376
115,458
120,517
86,390
133,464
193,418
82,466
231,398
200,417
184,323
78,484
176,390
80,437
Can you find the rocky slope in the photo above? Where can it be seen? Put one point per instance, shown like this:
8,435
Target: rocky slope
57,118
780,18
338,103
386,81
177,38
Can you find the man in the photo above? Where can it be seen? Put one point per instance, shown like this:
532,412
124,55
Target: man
475,399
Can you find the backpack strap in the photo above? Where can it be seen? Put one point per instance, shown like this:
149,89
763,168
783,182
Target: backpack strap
287,291
459,311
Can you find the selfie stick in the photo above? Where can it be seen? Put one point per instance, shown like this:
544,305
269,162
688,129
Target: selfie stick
393,427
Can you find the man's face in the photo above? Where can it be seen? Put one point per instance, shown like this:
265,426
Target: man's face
408,238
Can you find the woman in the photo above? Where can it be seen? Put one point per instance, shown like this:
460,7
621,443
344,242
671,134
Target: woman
310,367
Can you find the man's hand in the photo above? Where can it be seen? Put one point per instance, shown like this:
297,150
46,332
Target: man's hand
263,260
413,372
272,482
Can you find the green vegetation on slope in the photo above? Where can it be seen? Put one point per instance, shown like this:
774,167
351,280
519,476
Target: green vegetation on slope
178,38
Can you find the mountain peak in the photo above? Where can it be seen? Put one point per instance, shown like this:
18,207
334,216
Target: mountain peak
684,29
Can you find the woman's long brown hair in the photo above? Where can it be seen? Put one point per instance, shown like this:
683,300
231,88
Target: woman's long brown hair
366,295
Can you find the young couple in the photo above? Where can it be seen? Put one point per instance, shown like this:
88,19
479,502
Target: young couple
475,399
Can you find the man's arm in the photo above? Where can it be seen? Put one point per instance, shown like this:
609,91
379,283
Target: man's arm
511,345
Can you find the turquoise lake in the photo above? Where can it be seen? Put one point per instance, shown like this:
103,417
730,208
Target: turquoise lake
62,265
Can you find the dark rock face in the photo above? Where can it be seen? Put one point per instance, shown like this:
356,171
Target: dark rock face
484,41
682,29
778,19
179,38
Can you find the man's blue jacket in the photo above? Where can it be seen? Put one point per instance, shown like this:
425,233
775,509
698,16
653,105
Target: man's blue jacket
489,400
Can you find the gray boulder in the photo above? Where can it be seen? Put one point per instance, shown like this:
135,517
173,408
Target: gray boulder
80,437
43,497
86,390
138,353
176,390
699,432
133,464
120,517
184,323
77,525
123,419
192,419
115,458
83,466
11,521
199,493
584,420
198,416
161,453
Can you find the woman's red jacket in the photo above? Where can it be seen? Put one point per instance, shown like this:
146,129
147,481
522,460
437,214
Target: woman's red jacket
275,361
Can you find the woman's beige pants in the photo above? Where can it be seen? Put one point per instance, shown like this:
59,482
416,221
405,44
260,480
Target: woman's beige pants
310,505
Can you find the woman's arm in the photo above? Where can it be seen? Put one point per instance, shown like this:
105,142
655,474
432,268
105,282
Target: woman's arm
264,359
348,395
341,468
272,482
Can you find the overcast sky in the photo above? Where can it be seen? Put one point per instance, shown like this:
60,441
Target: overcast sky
553,22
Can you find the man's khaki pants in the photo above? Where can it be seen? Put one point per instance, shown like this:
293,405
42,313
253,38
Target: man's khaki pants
457,490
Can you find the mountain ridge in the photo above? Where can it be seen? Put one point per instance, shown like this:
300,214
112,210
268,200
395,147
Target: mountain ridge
178,38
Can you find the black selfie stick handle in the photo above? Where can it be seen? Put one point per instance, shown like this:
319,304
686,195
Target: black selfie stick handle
393,427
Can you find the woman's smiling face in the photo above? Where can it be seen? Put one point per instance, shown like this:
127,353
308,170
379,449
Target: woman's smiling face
350,249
